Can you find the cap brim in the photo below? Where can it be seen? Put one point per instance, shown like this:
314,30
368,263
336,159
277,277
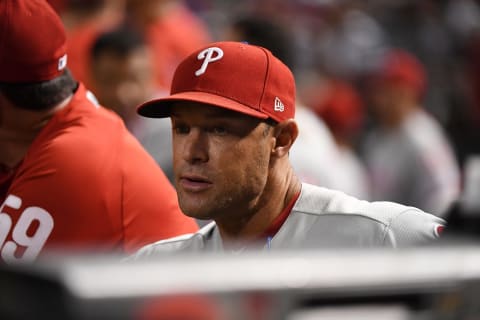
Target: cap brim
160,108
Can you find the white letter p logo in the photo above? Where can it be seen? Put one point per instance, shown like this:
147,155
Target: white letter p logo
207,54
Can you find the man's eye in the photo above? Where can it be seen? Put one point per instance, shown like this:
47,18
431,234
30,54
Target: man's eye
181,129
219,130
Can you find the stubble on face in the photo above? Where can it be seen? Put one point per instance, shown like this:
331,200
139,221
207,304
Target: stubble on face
237,171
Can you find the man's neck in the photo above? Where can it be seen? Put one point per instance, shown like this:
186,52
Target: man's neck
275,198
18,129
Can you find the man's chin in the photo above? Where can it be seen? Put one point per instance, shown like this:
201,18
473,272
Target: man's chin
195,213
202,217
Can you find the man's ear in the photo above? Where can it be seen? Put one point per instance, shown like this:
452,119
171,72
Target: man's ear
285,134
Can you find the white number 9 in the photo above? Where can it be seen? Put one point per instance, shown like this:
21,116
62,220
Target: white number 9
33,243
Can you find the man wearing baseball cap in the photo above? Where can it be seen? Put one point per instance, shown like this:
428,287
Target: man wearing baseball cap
71,176
407,151
232,108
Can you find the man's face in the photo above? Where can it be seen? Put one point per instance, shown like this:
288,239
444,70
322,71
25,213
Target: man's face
221,160
121,82
387,99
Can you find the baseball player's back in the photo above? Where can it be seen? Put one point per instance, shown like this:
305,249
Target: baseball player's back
86,183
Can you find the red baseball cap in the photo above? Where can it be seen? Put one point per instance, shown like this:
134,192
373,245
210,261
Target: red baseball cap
401,67
341,107
231,75
32,42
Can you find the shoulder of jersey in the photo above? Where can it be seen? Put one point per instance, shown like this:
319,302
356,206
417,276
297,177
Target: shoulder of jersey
321,201
182,243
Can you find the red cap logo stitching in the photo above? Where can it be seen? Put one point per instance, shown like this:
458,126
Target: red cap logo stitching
208,57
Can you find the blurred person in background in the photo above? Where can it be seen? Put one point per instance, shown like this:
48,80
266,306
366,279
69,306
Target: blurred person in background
72,178
349,40
123,77
341,107
171,30
464,215
315,151
84,20
463,20
408,156
232,107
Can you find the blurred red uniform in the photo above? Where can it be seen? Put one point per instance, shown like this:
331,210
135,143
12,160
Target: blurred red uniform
86,183
172,37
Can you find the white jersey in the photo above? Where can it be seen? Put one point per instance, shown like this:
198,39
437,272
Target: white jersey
323,218
314,153
414,165
352,174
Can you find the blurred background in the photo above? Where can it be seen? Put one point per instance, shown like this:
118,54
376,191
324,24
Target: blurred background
393,86
388,90
388,105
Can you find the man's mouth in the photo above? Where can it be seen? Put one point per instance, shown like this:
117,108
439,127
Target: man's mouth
194,183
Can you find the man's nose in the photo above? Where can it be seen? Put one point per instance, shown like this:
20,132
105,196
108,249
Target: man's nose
196,146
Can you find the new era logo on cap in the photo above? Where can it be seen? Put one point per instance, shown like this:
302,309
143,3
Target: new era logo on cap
231,75
278,105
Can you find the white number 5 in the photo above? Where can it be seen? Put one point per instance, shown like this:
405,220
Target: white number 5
33,243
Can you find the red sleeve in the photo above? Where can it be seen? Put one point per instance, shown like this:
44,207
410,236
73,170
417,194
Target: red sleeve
87,184
59,200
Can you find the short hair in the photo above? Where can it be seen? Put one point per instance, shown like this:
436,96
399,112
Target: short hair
121,41
269,125
40,96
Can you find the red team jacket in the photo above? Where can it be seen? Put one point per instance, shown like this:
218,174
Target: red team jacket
86,183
